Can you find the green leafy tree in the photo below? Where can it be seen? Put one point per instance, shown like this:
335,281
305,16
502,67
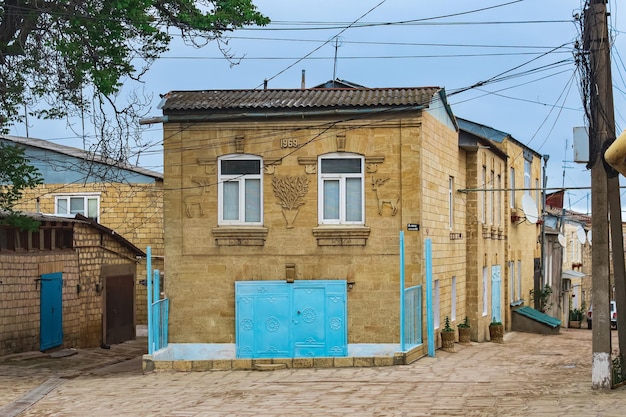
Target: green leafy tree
65,58
16,174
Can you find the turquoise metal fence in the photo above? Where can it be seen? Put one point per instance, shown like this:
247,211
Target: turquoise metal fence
158,309
412,317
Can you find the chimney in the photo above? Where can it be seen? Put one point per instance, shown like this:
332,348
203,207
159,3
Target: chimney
303,86
265,84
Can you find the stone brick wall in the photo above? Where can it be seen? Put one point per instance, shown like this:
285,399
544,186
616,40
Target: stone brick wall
135,211
81,300
203,264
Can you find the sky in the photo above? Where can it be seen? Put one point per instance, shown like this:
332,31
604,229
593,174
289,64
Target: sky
506,64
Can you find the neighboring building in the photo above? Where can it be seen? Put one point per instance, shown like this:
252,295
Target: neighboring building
513,265
283,210
574,268
487,227
70,284
124,198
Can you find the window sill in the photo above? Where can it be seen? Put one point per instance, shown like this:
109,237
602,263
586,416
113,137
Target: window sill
341,235
240,235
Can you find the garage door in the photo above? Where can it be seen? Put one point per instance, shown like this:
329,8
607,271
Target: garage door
280,320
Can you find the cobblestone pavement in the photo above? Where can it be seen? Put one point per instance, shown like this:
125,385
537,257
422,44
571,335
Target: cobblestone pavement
528,375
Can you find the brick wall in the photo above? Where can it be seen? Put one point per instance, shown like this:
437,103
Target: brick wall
82,303
135,211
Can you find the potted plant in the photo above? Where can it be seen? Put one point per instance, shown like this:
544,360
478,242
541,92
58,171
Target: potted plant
575,317
447,336
464,331
496,331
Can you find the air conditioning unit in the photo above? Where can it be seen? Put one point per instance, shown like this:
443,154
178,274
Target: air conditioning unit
566,285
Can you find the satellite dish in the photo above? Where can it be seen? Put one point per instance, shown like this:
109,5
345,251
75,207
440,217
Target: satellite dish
589,237
530,209
562,240
582,235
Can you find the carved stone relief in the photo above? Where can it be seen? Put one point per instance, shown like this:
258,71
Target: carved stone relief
290,192
384,198
198,198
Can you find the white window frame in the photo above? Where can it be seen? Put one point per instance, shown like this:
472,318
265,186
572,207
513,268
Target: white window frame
241,180
70,196
527,168
483,196
491,199
341,177
512,181
499,202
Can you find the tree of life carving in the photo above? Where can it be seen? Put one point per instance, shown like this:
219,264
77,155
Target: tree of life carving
290,192
383,197
197,199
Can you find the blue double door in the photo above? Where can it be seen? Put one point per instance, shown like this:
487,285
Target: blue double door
276,319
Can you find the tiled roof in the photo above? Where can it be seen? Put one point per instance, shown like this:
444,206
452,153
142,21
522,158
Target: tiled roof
297,98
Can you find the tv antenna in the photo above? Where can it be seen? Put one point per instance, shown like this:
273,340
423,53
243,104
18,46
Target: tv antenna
337,41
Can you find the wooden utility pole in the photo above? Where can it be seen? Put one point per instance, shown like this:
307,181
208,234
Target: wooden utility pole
604,189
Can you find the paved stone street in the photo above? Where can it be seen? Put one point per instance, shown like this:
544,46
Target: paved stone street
528,375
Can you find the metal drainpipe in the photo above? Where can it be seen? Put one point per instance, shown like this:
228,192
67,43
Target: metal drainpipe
543,223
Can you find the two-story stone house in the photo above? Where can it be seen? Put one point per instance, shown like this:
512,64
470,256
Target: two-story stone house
283,211
504,258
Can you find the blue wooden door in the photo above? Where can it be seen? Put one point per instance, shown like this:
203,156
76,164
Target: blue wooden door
280,320
496,306
51,311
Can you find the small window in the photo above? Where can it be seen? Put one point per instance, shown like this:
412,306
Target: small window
512,197
240,190
451,202
341,194
70,205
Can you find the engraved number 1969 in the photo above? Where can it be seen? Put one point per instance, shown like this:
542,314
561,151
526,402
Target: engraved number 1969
289,143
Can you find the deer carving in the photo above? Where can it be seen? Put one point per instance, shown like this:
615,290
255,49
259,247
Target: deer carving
197,199
391,200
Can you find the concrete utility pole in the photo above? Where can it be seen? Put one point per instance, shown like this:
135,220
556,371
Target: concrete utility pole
605,190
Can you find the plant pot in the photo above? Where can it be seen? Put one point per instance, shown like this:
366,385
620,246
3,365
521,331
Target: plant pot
464,335
447,341
574,324
496,333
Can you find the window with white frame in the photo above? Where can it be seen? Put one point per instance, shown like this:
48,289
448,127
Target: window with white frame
341,193
71,204
483,195
512,180
499,201
526,176
451,202
240,199
491,199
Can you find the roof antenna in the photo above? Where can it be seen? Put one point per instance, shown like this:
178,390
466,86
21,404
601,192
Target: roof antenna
338,42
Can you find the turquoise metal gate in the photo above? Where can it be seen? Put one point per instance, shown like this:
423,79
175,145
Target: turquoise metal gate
275,319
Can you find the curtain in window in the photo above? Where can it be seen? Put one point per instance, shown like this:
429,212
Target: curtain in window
230,202
331,199
253,200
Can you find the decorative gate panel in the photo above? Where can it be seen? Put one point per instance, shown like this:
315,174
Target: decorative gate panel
302,319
